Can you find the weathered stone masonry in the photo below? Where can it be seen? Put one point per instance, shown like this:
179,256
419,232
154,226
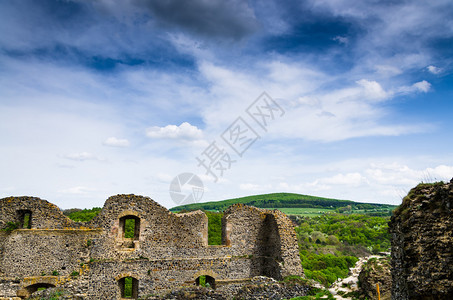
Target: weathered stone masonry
168,250
422,244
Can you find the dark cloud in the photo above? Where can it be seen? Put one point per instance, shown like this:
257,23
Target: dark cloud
81,33
230,19
331,34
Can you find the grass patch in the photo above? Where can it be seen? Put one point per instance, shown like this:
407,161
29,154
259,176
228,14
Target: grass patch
316,294
305,212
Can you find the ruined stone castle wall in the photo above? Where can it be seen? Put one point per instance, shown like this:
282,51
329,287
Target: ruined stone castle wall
269,237
38,250
34,252
44,215
159,229
167,250
3,236
422,244
235,234
155,275
288,254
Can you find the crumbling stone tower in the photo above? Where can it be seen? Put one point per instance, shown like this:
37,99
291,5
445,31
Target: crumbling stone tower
93,260
422,244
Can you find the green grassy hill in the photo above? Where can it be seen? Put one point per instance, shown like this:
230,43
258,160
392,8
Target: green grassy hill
294,204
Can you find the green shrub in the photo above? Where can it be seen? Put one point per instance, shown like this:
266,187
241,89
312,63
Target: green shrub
10,226
84,215
75,274
316,294
295,279
202,280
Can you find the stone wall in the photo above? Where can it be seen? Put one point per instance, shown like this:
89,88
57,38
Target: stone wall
160,230
3,236
422,244
44,215
8,287
167,251
375,271
35,252
289,260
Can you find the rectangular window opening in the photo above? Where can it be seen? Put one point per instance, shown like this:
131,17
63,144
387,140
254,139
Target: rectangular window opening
129,231
214,228
129,228
25,219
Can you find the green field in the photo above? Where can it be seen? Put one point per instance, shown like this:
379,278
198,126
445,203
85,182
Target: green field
304,212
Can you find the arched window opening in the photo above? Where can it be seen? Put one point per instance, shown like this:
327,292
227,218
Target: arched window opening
24,219
206,281
38,287
129,230
128,287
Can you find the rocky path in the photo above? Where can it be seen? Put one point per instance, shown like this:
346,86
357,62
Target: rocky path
350,283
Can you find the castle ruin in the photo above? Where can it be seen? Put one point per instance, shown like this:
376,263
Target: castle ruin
93,260
422,244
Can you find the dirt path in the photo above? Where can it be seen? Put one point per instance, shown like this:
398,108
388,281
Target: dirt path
349,284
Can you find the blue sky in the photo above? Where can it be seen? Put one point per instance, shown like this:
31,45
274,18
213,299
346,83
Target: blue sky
106,97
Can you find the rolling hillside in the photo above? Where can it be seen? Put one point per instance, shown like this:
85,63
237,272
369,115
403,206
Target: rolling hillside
294,204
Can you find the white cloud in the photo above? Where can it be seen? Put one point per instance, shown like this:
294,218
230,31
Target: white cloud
165,177
372,89
387,70
343,113
393,174
255,187
115,142
211,179
81,156
338,113
397,174
310,101
184,131
341,39
421,86
313,187
284,186
351,179
77,190
441,172
386,29
434,70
